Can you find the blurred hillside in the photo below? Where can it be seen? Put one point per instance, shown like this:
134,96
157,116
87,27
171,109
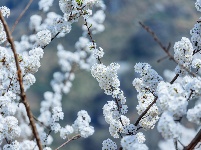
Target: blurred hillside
123,41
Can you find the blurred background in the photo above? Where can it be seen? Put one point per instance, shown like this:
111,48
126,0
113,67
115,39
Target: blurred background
124,41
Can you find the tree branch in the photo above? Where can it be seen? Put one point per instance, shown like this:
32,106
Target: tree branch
20,16
194,142
69,140
166,50
19,74
154,101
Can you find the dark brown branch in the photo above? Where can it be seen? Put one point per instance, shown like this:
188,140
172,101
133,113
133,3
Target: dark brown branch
154,101
194,142
51,40
19,74
90,35
20,16
191,93
174,79
69,140
146,110
166,50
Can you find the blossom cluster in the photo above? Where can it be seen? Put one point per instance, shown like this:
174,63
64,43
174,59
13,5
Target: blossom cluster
158,100
30,50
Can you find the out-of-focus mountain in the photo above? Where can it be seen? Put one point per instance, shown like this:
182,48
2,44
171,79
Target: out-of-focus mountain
123,41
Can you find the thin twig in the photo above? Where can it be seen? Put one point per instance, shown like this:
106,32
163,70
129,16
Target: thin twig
19,74
51,40
69,140
175,144
20,16
41,123
191,93
181,143
159,60
166,50
90,35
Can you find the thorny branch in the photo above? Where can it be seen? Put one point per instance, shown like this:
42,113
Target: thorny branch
19,74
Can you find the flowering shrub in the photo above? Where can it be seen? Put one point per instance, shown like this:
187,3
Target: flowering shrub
161,103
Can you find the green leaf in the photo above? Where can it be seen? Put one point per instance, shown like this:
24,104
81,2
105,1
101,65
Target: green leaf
79,2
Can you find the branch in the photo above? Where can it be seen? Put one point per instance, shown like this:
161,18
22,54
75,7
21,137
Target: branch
90,35
194,142
154,101
20,16
146,110
166,50
69,140
19,74
174,79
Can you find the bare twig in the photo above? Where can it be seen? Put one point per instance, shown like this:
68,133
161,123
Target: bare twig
19,74
181,143
194,142
191,93
20,16
159,60
90,35
69,140
41,123
175,144
51,40
166,49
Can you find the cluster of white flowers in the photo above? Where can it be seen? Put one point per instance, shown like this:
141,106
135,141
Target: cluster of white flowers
45,4
134,142
74,9
30,51
183,54
169,100
81,124
172,98
146,86
5,12
43,37
151,117
107,77
194,114
149,80
9,128
29,63
96,22
109,144
186,135
61,82
168,127
198,5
